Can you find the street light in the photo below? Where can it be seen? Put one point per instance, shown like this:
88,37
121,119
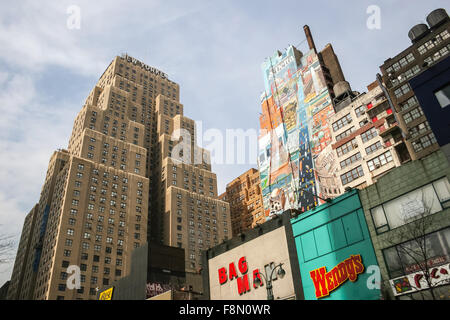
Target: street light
280,274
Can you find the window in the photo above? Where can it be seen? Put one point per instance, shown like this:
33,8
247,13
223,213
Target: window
344,134
354,158
374,147
70,232
342,122
379,161
347,147
409,103
360,110
443,96
428,199
403,258
424,142
404,89
369,134
419,129
352,175
413,114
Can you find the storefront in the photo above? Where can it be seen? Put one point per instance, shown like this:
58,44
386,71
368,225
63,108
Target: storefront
408,214
335,253
239,268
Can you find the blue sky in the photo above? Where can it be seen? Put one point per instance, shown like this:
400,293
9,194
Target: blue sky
213,49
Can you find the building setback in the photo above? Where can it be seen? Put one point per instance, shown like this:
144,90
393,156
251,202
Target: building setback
245,199
429,44
100,198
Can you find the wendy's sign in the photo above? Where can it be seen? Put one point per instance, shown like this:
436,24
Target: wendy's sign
325,282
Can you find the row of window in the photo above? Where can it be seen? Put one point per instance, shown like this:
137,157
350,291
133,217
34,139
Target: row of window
342,122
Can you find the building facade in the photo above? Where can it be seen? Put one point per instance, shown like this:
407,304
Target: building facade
186,212
366,138
101,196
23,252
430,43
407,213
336,257
155,269
245,199
239,269
432,89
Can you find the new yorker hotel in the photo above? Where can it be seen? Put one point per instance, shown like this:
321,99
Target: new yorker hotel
100,196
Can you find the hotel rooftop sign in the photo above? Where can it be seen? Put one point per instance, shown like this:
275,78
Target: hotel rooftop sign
145,66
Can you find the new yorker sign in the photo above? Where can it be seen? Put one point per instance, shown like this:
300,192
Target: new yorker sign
146,67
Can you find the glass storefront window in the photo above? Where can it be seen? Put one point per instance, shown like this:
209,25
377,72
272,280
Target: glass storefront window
418,203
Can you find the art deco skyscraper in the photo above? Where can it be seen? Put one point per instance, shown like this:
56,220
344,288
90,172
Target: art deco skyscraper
99,194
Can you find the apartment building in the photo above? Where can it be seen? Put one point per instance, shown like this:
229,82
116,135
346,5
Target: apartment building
366,138
430,44
245,199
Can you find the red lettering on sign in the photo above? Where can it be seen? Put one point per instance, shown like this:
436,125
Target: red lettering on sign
222,275
256,275
243,284
243,268
318,277
232,270
325,282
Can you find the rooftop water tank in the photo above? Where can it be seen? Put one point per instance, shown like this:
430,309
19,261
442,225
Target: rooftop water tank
341,87
437,17
417,32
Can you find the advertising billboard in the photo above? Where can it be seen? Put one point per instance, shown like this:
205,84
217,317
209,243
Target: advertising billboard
241,272
295,161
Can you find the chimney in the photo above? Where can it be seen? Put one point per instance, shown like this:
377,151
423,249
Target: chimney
309,38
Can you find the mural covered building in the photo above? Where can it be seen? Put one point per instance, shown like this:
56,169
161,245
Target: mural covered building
296,162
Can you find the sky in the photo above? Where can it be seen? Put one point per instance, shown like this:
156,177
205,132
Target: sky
212,49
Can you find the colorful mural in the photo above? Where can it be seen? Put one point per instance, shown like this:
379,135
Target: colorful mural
294,132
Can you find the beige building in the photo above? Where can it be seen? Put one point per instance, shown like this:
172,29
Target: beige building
97,197
245,199
187,212
366,138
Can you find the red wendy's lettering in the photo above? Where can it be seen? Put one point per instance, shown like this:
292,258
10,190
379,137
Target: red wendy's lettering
318,277
325,282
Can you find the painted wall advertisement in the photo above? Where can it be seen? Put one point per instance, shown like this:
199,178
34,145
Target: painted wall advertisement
417,281
295,157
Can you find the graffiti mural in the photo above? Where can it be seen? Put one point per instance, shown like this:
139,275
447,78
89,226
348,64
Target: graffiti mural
295,159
